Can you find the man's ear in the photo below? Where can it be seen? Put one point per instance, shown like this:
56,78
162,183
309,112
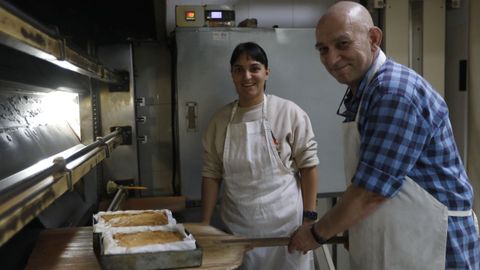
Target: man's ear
375,35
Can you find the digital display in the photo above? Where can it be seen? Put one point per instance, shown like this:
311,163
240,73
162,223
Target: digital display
190,15
216,14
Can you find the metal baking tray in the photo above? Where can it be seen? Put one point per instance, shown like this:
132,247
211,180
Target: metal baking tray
153,260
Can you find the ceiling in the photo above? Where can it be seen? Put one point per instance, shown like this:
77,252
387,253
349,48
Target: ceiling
100,21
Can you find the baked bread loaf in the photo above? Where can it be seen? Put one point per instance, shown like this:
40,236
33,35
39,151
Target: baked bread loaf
132,218
141,239
136,239
136,219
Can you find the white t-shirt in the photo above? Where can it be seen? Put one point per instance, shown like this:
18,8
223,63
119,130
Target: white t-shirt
290,125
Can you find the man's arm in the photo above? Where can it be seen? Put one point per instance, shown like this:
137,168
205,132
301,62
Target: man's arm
210,187
356,204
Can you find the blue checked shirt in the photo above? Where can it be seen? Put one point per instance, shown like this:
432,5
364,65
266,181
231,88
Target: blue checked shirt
405,131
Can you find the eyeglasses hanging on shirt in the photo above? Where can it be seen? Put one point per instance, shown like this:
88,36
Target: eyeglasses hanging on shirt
343,110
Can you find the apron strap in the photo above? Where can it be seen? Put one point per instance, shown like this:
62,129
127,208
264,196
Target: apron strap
465,213
475,220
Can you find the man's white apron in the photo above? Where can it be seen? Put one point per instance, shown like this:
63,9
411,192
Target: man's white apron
408,231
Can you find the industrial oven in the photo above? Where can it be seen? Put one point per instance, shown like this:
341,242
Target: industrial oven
71,122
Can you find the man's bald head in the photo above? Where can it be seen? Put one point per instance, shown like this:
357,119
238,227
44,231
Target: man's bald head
350,12
348,42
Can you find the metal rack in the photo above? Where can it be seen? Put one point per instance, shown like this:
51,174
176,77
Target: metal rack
25,194
23,33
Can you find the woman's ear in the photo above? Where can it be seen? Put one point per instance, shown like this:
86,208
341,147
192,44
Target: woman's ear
267,72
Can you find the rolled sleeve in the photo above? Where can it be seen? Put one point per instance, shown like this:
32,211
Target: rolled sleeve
212,142
304,147
375,180
211,167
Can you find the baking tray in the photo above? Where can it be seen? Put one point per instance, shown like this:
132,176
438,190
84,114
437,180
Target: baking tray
153,260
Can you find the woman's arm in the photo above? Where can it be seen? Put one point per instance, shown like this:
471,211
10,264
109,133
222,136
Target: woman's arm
308,183
210,187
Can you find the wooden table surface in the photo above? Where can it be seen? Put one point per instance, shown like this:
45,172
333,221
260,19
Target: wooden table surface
72,248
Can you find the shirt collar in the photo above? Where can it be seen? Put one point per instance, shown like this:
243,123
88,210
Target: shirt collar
370,71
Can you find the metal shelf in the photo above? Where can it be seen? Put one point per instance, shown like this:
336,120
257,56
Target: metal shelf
23,33
27,193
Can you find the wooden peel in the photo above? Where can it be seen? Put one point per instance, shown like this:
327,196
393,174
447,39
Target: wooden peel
216,237
222,249
272,241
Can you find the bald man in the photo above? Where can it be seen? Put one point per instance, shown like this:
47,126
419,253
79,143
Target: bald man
408,204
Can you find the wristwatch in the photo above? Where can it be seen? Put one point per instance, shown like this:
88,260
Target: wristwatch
312,215
320,240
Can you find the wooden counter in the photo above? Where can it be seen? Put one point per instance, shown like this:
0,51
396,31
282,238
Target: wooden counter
72,248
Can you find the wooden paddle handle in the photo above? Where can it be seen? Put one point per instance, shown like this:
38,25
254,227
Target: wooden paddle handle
274,241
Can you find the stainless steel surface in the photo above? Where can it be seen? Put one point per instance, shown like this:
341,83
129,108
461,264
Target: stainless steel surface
27,193
117,109
18,32
27,134
457,50
284,13
91,185
144,261
32,132
29,176
19,67
71,205
416,37
118,200
152,64
473,139
296,73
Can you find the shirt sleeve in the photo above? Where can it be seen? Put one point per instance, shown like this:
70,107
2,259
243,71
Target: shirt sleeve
304,146
393,134
212,163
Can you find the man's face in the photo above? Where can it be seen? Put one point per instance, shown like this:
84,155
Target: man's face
345,49
249,77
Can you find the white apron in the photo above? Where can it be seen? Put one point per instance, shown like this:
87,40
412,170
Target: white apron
262,197
408,231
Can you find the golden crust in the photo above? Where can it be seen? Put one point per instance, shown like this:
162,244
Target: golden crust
146,238
136,219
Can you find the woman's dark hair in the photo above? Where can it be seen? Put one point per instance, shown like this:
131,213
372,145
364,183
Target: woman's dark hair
253,50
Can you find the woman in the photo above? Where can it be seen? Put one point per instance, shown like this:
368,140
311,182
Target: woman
262,147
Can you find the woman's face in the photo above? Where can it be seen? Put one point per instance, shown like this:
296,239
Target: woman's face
249,77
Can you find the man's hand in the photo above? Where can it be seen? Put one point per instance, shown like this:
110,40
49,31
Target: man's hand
302,240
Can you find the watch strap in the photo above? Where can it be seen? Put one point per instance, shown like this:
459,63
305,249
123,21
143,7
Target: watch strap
311,215
320,240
